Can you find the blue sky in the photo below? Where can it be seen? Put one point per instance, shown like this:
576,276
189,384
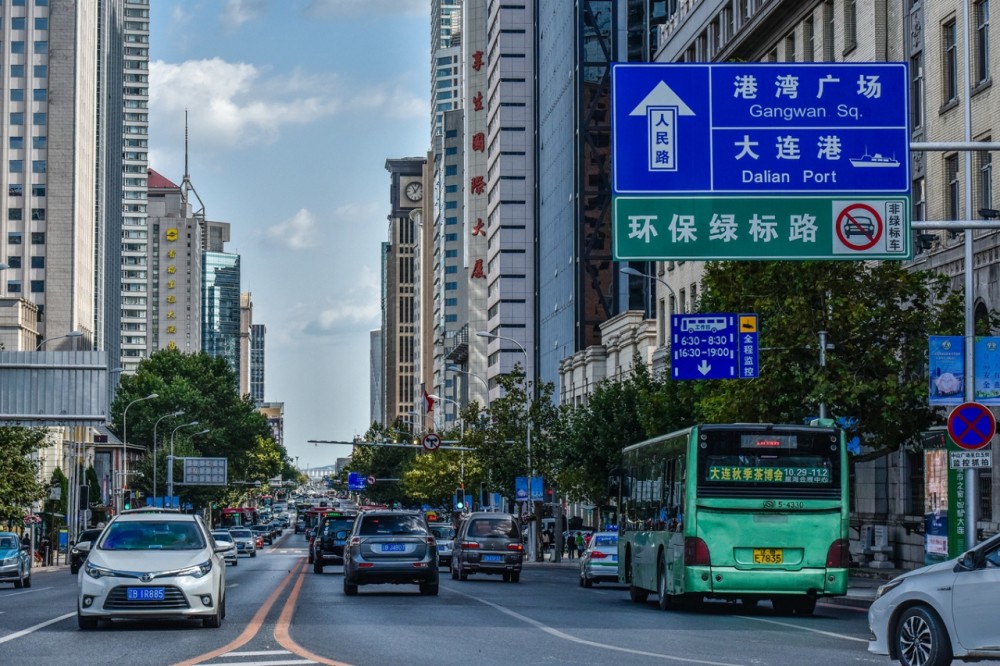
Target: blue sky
293,107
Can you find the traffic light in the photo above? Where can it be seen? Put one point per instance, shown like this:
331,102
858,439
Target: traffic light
460,499
128,500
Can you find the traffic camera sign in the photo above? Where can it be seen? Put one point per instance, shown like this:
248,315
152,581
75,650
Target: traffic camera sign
714,346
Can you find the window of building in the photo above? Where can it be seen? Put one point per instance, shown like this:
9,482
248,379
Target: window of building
17,46
451,170
37,286
949,63
17,94
15,166
38,262
38,190
450,269
809,40
40,94
41,47
15,142
450,286
17,23
450,237
985,169
850,25
982,43
15,190
39,142
14,238
13,286
38,166
39,118
450,318
16,118
919,199
451,302
451,150
38,238
450,189
16,71
828,32
14,262
790,47
451,254
951,186
15,214
41,71
917,91
41,23
38,214
450,220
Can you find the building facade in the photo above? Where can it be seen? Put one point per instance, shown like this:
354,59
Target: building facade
220,313
258,333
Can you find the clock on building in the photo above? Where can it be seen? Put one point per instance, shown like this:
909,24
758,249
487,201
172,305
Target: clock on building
414,191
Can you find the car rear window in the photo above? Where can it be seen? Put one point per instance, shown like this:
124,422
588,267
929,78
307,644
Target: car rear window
150,535
609,540
443,531
241,534
390,524
331,526
494,527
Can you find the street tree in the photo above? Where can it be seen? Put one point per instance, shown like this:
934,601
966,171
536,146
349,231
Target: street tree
384,462
19,485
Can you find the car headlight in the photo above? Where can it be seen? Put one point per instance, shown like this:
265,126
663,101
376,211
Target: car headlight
9,560
197,571
95,571
891,585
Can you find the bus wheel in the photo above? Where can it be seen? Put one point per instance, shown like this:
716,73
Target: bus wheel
783,605
637,594
805,605
661,585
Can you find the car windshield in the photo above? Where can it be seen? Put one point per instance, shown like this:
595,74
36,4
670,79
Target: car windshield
393,524
494,527
7,542
152,535
241,534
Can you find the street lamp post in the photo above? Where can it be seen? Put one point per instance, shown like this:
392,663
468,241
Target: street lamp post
125,443
71,334
179,412
170,462
458,411
486,385
532,537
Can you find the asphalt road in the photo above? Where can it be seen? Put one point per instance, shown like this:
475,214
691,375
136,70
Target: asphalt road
281,613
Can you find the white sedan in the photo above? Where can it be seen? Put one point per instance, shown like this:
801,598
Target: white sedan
943,611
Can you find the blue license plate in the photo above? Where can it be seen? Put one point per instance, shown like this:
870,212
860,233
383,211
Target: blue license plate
144,594
338,542
492,558
393,547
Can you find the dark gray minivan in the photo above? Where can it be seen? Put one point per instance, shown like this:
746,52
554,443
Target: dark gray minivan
488,543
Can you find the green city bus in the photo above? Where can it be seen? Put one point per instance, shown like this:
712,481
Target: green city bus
739,512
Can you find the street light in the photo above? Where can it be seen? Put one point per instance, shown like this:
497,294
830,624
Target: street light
637,273
155,425
71,334
455,368
170,460
125,442
458,410
531,470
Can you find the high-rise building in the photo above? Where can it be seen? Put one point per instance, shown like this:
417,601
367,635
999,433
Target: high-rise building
446,17
220,313
246,330
50,155
258,333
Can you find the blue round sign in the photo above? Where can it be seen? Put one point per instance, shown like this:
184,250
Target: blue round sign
971,425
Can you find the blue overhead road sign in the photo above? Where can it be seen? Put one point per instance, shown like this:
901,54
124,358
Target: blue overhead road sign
760,128
714,346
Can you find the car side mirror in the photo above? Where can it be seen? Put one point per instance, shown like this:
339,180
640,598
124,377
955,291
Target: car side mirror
84,546
967,562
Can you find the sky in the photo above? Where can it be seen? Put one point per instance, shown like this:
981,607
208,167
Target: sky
293,108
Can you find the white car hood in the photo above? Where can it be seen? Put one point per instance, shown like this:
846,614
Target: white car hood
148,560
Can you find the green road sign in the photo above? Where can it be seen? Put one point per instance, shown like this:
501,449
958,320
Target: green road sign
772,228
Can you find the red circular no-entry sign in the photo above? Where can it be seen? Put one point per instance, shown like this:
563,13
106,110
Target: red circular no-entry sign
859,227
971,425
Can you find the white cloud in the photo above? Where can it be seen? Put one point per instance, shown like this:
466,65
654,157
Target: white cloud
238,12
357,307
297,232
397,102
338,8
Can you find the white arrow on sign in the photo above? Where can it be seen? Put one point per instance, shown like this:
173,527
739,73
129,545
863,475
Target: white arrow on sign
704,368
661,108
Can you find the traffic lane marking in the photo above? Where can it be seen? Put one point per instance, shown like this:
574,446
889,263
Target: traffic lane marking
582,641
40,625
830,634
281,629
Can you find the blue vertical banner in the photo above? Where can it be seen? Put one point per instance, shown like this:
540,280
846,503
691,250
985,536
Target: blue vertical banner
537,489
987,375
946,363
520,489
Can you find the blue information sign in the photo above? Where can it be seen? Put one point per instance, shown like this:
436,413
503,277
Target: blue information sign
356,481
763,128
714,346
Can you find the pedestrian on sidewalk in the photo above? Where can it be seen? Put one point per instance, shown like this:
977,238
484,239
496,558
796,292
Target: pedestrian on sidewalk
570,545
581,545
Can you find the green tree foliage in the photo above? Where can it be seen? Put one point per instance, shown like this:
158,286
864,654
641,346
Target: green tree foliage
384,462
205,388
877,317
19,486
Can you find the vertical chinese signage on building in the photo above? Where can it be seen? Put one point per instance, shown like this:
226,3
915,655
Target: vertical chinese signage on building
169,293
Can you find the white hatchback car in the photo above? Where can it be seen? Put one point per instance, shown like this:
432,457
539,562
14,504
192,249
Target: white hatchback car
943,611
153,564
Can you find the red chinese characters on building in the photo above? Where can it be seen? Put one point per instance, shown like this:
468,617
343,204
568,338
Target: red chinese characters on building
479,142
477,270
479,229
477,101
477,60
477,185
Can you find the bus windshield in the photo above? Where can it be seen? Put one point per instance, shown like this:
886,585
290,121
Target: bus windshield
768,463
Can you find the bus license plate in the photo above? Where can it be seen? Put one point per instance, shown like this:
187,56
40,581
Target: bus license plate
144,594
768,556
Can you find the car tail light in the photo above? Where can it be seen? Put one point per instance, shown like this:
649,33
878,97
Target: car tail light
696,552
431,543
355,541
470,545
597,555
839,555
515,546
365,565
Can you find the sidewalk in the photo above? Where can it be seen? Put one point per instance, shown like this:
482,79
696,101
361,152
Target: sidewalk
861,586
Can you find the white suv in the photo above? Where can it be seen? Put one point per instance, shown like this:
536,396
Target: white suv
153,564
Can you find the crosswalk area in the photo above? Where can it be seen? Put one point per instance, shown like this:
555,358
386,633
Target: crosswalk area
258,658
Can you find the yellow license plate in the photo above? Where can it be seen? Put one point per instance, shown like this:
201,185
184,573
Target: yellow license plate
768,556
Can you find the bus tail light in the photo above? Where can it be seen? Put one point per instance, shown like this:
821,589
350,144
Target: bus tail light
696,552
839,555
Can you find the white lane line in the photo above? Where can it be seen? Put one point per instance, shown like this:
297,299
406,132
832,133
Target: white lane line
25,632
815,631
280,662
582,641
255,653
34,589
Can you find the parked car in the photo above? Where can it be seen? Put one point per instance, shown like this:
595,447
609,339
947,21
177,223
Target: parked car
600,561
230,555
78,553
246,541
153,564
330,539
944,611
387,546
488,543
15,560
444,534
